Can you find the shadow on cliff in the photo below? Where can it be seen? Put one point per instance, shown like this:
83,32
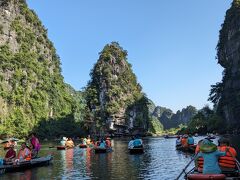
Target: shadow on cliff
57,128
139,112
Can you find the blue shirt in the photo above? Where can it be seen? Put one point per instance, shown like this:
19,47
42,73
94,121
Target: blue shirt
178,142
210,165
137,142
102,145
190,141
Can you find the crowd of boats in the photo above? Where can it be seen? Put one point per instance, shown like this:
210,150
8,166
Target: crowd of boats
212,161
102,145
27,156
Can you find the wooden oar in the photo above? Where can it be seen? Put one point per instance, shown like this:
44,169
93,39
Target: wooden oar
187,166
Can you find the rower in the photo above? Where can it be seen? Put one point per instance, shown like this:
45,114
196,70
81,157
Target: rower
227,163
210,155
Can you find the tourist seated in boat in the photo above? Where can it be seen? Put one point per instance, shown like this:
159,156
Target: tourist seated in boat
84,141
178,141
190,140
10,155
63,141
227,162
35,144
97,142
210,155
136,142
33,152
102,144
108,142
88,140
24,153
197,150
130,144
184,140
69,143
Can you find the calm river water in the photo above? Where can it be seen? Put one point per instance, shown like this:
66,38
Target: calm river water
160,161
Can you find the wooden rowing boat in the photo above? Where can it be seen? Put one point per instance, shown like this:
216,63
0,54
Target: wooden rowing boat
61,147
100,150
226,175
138,150
189,149
82,146
21,166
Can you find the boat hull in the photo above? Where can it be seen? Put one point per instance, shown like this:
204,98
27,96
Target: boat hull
100,150
82,146
136,151
61,147
42,161
206,177
189,149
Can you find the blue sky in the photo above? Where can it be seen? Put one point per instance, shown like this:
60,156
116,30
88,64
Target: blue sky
171,44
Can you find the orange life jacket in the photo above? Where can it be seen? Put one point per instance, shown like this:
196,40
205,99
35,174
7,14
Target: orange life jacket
200,163
184,142
22,153
227,161
197,150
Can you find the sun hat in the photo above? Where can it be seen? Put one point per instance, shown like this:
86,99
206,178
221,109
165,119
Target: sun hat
207,146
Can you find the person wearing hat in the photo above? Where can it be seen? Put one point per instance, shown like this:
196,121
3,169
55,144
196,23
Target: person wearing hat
227,162
108,142
63,141
184,140
10,155
210,155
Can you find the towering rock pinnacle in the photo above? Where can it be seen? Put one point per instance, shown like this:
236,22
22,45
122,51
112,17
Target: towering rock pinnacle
114,94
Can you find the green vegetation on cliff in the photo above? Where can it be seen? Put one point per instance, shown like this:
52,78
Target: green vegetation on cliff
226,94
113,95
32,89
205,121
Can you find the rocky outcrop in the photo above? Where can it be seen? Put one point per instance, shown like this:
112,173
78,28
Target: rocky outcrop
171,120
225,94
31,84
113,95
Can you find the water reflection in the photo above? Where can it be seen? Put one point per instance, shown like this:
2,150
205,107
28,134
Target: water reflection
160,161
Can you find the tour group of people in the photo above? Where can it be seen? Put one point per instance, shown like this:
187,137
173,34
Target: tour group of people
210,158
136,142
185,140
99,142
213,159
25,153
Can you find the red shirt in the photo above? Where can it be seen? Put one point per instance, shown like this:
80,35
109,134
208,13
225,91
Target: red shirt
10,153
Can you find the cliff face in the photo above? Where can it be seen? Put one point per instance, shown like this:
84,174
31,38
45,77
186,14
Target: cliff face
226,94
113,95
31,84
171,120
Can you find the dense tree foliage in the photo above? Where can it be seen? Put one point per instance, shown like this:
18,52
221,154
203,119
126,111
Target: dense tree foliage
113,95
32,90
205,121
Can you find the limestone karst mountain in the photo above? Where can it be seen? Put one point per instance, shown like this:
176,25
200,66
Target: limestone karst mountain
226,94
31,85
114,96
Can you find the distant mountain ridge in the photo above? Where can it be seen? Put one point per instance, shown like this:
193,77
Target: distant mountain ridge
172,120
